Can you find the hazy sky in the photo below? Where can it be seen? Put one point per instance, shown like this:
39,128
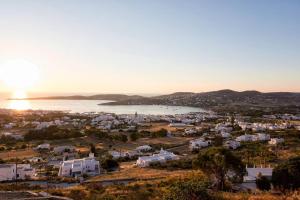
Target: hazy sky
154,46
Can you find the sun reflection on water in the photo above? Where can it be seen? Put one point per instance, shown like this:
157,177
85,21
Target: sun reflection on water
18,101
19,104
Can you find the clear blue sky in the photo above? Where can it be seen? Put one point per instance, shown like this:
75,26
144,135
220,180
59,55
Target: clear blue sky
154,46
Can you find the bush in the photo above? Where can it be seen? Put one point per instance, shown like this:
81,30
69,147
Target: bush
218,161
186,190
77,194
109,164
160,133
120,137
52,133
92,148
134,136
263,183
174,164
124,138
8,140
287,175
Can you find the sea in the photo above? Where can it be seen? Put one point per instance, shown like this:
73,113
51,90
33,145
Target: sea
81,106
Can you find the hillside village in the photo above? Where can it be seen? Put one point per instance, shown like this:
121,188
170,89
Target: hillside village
51,151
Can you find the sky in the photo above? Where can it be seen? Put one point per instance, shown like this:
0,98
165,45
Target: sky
157,46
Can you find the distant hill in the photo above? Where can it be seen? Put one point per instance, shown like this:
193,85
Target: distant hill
214,100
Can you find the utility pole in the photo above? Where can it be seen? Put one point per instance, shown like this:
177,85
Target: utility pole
16,171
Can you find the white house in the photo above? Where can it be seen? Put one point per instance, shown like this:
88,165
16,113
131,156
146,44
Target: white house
78,167
143,148
252,173
116,154
123,154
43,146
262,137
246,138
35,159
199,143
225,134
190,131
162,157
16,136
43,125
223,128
8,172
276,141
232,144
9,125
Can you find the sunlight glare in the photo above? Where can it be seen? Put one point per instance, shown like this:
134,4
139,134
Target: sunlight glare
19,75
19,105
19,94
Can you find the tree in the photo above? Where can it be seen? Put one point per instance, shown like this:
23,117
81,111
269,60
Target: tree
160,133
263,183
218,161
109,164
124,138
287,175
92,148
218,141
134,136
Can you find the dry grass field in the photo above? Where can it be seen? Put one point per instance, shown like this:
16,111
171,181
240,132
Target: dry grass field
258,196
20,154
129,171
158,126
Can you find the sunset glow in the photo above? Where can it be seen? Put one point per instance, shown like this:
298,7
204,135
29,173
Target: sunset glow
19,76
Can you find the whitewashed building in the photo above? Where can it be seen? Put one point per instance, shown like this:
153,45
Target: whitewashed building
78,167
9,172
43,146
122,154
232,144
246,138
162,157
190,131
199,143
262,137
252,173
143,148
225,135
43,125
16,136
223,128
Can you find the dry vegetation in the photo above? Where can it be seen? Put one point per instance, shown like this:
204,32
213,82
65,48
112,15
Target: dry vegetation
127,171
20,154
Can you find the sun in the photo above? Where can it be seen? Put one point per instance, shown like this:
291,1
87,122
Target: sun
19,76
